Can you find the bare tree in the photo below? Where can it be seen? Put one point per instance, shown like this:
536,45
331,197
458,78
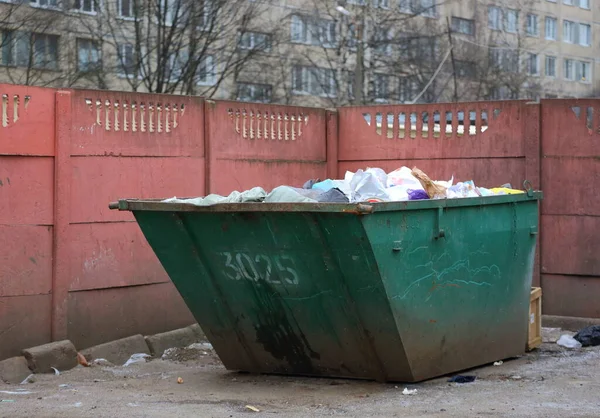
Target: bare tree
503,60
29,42
356,53
175,46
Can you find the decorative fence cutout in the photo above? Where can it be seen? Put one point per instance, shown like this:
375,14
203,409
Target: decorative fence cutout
426,124
129,116
11,105
256,124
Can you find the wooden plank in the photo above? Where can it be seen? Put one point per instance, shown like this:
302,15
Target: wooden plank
535,319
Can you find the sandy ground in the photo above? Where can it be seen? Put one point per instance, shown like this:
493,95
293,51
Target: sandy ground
549,382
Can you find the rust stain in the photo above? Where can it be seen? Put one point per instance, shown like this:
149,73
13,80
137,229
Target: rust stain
432,321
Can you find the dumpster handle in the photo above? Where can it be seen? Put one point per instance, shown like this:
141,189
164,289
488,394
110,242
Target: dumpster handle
528,187
440,233
113,205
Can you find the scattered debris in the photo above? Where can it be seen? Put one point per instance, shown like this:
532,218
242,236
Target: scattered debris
16,392
29,379
102,362
6,400
65,386
137,358
462,379
82,360
56,372
589,336
498,363
252,408
180,380
408,391
568,342
516,377
78,404
200,346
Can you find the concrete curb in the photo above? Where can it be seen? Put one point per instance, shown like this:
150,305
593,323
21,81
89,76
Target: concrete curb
62,355
182,337
569,323
119,351
14,370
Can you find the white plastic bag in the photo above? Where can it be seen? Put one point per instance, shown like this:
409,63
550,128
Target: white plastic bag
568,342
365,186
403,177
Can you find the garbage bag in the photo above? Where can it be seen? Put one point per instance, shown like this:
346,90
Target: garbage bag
310,183
365,185
589,336
257,194
462,189
334,195
403,177
433,189
324,185
286,194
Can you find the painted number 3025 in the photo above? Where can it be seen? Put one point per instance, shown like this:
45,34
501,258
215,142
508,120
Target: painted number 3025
276,269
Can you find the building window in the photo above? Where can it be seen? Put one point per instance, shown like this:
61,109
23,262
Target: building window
382,40
382,4
407,89
550,28
357,2
23,49
569,32
88,56
419,7
418,48
550,66
206,73
460,25
250,92
255,41
313,80
532,64
465,69
512,21
382,87
505,60
568,2
86,6
585,34
49,4
312,31
569,69
126,8
127,65
495,18
584,4
583,71
532,25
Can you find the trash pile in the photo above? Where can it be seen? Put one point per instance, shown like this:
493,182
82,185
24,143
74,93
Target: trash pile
371,185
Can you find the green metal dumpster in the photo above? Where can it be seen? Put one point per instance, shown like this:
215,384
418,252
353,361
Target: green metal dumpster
399,291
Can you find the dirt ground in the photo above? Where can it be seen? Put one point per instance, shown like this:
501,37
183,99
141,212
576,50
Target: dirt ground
549,382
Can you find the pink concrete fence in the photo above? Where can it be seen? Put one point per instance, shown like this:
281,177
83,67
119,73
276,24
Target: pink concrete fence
70,268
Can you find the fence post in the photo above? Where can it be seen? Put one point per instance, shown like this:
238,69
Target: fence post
532,149
332,139
62,201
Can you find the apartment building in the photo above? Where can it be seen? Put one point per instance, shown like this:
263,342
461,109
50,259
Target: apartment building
307,52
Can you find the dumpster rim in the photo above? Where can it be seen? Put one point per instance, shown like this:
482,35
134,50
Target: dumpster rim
159,205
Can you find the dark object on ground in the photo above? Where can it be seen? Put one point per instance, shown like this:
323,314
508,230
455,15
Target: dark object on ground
310,183
333,196
589,336
462,379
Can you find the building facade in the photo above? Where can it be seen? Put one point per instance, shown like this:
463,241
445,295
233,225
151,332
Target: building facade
307,52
